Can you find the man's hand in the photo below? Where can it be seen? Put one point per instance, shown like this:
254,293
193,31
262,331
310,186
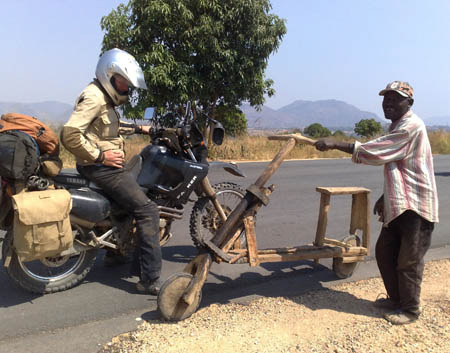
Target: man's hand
325,145
145,129
378,209
114,159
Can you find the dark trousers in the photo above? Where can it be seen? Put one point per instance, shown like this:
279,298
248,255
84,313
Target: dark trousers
400,252
122,187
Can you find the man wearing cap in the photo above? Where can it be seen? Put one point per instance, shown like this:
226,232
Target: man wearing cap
408,207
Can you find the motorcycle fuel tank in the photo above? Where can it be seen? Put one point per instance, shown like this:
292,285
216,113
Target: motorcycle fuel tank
89,205
165,173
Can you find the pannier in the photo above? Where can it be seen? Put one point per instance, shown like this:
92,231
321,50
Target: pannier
46,139
39,234
19,155
5,203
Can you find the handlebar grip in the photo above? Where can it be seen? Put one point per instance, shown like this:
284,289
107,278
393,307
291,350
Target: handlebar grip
299,138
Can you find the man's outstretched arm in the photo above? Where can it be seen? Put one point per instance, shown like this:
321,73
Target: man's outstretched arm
325,145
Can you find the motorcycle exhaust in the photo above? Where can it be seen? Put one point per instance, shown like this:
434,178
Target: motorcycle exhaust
168,212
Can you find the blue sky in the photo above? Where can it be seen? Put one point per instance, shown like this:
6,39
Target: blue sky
342,49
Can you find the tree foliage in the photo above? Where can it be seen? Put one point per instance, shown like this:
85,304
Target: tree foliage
339,134
210,51
368,128
317,130
232,119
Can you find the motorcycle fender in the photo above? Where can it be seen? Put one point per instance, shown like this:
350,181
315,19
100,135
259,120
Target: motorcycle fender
230,167
8,257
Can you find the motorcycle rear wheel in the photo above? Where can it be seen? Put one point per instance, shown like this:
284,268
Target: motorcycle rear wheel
49,275
205,220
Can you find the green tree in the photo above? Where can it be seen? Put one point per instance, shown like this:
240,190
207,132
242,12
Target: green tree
232,119
317,130
339,134
368,128
208,51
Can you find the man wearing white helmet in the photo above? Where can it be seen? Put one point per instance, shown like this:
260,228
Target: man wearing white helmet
93,135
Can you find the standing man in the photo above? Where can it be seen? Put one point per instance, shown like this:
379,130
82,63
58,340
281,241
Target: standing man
409,206
92,134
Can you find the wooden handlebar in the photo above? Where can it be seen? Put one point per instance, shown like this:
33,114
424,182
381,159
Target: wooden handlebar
299,138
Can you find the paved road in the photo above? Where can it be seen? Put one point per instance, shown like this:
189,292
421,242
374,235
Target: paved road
105,304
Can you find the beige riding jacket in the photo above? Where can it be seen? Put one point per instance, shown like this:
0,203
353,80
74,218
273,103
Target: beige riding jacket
94,126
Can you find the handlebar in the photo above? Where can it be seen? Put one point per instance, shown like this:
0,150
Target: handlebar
299,138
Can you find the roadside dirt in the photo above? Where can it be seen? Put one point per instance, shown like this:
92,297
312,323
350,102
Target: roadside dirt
339,319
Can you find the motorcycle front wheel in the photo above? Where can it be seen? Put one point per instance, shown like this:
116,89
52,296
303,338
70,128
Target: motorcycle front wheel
48,275
205,220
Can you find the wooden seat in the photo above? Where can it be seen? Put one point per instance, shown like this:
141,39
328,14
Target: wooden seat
360,216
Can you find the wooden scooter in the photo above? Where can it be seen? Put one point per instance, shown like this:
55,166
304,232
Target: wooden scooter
181,293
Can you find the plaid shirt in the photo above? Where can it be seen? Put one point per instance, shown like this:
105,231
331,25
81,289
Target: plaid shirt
408,168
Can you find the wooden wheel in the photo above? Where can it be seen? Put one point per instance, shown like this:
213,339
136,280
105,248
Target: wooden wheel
345,270
170,298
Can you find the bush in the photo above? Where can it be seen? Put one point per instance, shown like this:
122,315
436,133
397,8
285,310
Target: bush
317,130
368,128
339,134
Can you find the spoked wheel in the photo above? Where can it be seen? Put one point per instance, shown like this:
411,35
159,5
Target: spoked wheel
170,298
345,270
51,274
205,220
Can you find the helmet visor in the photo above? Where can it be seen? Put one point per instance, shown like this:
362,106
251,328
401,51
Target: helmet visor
137,79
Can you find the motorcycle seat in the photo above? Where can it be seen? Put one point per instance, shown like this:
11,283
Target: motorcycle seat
71,178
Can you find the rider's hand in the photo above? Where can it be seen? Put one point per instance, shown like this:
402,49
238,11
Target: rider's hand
378,209
325,145
145,129
114,159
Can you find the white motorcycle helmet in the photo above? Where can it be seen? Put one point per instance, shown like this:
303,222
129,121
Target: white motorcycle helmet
117,61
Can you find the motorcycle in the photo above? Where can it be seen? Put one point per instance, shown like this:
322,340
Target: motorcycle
171,169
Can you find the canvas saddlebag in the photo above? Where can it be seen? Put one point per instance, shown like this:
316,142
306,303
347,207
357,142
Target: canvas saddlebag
41,223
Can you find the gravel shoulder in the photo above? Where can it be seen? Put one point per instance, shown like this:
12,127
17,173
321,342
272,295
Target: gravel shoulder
338,319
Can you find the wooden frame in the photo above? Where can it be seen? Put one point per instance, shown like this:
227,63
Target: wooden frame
220,248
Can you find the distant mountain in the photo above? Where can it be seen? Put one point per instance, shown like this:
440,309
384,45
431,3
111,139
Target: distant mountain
299,114
437,121
51,111
267,118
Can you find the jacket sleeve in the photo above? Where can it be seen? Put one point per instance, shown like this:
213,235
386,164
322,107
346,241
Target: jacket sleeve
73,133
126,128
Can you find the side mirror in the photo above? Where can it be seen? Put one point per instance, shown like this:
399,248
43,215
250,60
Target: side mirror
218,133
149,113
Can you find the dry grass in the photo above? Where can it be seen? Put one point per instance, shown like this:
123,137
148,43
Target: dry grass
260,148
440,141
253,148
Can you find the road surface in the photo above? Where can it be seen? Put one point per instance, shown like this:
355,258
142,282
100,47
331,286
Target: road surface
106,304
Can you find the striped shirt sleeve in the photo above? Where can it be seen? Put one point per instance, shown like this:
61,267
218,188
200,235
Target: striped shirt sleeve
385,149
